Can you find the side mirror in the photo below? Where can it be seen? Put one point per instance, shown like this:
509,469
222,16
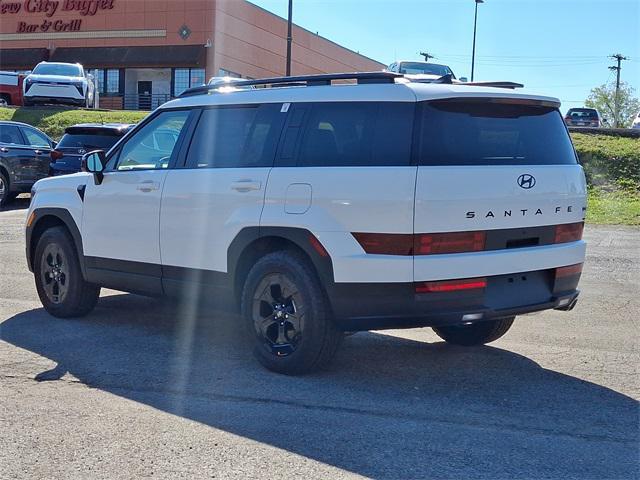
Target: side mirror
94,162
464,79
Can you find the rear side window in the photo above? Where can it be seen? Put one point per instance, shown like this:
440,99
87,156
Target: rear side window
89,141
343,134
35,138
10,134
236,137
484,133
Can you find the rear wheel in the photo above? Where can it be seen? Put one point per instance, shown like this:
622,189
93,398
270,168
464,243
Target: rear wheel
475,333
59,281
287,317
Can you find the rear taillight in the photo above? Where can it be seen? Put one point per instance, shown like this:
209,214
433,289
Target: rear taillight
56,155
385,243
569,232
569,271
451,285
434,243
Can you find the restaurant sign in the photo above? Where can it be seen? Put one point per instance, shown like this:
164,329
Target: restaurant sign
49,8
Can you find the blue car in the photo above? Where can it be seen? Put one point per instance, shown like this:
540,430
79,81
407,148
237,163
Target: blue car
79,139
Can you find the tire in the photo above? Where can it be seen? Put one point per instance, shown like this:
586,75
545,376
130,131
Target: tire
59,282
280,286
475,334
5,195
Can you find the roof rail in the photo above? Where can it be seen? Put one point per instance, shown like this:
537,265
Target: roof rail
302,80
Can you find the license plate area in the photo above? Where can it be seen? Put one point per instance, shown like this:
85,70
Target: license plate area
517,289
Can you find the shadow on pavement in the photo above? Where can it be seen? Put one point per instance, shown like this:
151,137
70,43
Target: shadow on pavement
389,407
20,203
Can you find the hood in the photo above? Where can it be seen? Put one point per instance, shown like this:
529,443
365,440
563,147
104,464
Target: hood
54,78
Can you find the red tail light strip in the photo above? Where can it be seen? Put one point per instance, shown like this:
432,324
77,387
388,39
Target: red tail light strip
451,285
438,243
569,271
569,232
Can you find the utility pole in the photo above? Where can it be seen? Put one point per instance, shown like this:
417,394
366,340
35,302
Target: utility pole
473,52
616,103
426,56
289,38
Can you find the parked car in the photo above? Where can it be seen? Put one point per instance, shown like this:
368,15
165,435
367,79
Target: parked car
11,88
583,117
62,83
24,158
420,68
80,139
320,209
636,121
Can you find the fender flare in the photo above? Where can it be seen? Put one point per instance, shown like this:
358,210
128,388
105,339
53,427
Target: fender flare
297,236
63,215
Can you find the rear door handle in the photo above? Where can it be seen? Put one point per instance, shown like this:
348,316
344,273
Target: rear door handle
148,186
246,185
4,150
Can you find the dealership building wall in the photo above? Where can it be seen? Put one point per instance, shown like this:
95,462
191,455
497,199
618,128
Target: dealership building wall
144,52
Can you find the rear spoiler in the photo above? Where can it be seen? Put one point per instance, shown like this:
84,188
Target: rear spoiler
449,79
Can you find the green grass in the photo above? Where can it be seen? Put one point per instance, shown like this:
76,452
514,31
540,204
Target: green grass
53,120
617,207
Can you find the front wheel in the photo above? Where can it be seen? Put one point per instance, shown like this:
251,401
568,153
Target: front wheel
61,287
476,333
287,316
5,195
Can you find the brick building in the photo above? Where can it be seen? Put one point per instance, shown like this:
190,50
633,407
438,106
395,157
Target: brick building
151,50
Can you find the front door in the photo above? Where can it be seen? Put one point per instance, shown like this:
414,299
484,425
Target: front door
145,89
121,215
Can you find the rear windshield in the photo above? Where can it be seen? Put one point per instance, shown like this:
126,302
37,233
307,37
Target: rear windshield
93,141
484,133
583,113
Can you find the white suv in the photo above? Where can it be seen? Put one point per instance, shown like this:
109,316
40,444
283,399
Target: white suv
64,83
321,209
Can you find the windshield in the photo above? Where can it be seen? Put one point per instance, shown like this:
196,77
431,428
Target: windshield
419,68
58,69
484,133
92,141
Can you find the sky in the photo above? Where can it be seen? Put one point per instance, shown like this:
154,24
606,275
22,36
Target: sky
555,47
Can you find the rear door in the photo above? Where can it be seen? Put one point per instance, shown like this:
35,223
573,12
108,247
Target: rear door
40,146
496,167
220,189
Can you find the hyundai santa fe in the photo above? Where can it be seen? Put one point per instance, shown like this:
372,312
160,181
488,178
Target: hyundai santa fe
317,208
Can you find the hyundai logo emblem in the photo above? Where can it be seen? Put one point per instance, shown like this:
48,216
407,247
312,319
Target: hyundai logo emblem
526,181
82,151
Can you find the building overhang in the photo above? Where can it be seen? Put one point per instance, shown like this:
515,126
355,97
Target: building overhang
123,57
22,58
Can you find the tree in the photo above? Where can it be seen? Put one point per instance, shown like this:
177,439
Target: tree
602,98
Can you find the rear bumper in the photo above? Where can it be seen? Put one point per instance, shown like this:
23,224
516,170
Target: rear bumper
382,306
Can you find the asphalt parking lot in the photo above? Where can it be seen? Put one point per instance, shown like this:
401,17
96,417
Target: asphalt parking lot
143,388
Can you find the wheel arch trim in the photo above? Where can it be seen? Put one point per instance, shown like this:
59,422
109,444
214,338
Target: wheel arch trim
61,215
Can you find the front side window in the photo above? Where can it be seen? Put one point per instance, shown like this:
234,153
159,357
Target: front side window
10,135
236,137
35,138
153,145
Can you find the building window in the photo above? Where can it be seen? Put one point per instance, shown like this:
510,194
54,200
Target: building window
108,80
184,78
228,73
